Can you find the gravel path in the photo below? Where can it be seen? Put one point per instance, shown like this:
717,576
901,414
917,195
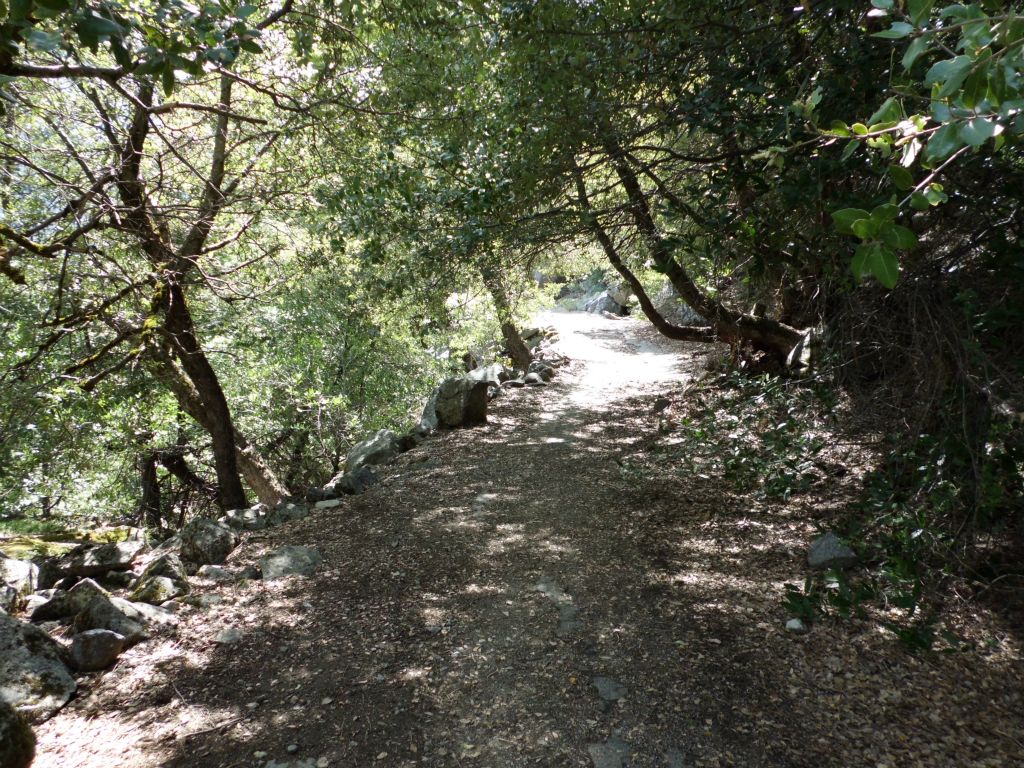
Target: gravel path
513,595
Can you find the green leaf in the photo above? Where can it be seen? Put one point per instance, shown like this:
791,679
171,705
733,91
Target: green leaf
885,214
976,87
897,31
950,72
845,218
859,128
167,80
889,112
849,149
43,41
901,177
876,261
898,237
944,142
979,130
919,201
885,5
919,10
917,46
865,229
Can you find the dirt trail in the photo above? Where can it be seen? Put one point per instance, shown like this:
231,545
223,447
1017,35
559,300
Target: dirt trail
510,596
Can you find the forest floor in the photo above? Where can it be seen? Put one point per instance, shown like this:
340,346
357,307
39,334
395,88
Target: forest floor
516,595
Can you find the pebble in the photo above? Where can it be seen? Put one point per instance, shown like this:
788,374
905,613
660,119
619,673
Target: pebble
291,749
795,625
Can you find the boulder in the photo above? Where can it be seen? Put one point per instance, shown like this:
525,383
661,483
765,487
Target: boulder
672,307
204,541
215,573
534,380
829,551
21,575
63,605
620,293
286,512
117,579
494,374
428,420
542,369
460,402
603,302
102,613
96,649
17,742
33,677
515,383
252,519
10,599
352,482
155,590
379,449
290,561
95,559
168,565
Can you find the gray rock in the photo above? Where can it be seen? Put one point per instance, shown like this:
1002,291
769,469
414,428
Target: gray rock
21,575
96,559
287,512
328,504
102,613
17,742
66,604
352,482
428,420
379,449
796,626
515,383
620,293
155,590
494,374
206,542
829,551
608,689
460,402
534,380
252,519
215,573
117,579
542,369
290,560
603,302
228,636
33,677
612,754
168,565
672,307
10,599
96,649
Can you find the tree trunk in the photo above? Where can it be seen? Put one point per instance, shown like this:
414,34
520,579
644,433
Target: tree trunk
517,349
729,325
664,327
149,507
260,477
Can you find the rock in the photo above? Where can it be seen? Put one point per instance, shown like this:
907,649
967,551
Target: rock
620,293
17,742
611,754
228,636
428,420
96,649
328,504
494,374
290,561
168,565
829,551
661,404
672,307
117,579
206,542
123,617
215,573
608,689
603,302
157,589
21,575
542,369
33,677
10,599
796,626
352,482
286,512
252,519
101,613
460,402
379,449
515,383
530,333
66,604
93,559
534,380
